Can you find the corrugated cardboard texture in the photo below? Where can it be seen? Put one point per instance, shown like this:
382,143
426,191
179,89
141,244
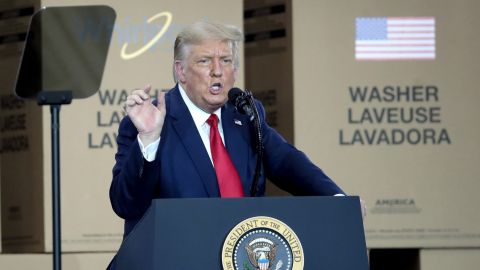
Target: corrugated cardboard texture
74,261
88,128
420,190
446,259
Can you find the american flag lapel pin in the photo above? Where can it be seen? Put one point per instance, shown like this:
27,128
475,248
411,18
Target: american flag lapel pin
237,122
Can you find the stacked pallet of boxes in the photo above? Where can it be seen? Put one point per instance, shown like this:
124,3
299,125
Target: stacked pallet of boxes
383,97
268,63
385,101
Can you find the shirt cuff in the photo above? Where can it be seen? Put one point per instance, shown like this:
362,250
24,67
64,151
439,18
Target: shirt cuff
150,151
339,194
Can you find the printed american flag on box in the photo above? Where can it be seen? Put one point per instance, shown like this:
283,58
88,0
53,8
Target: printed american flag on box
395,38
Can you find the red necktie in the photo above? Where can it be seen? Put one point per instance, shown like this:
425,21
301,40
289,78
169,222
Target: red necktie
227,176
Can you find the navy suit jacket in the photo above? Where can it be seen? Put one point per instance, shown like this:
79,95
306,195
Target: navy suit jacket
182,167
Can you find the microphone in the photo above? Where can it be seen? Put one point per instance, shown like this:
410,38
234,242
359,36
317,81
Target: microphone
245,104
240,100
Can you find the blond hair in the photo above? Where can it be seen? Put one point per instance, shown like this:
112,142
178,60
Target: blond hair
201,31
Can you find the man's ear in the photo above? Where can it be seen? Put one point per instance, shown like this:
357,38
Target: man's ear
180,71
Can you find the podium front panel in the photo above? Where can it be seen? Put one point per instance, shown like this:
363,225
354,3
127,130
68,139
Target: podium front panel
190,233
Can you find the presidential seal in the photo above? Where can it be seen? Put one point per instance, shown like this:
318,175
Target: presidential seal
262,243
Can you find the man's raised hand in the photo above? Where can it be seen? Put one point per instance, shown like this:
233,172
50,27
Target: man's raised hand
147,118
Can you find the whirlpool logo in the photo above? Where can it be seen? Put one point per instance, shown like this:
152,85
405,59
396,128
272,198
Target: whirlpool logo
167,16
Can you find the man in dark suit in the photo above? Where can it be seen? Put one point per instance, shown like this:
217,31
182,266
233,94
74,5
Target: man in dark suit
192,143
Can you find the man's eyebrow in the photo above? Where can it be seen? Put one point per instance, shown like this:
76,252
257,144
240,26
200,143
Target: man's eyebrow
207,55
203,56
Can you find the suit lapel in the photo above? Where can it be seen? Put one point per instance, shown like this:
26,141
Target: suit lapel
188,133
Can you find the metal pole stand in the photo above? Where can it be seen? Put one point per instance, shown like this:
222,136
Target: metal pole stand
55,100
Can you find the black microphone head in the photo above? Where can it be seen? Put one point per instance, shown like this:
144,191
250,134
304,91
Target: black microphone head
233,94
240,100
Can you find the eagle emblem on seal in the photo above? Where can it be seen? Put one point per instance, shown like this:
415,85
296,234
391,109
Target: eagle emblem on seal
261,253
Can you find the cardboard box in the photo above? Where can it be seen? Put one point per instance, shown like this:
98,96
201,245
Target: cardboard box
268,64
419,177
78,261
88,129
268,60
447,259
12,113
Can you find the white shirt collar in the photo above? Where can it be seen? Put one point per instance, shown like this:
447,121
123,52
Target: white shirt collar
199,116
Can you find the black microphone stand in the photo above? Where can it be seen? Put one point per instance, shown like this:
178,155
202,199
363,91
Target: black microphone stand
258,142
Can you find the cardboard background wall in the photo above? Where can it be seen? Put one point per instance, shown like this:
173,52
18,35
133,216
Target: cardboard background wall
73,261
268,64
445,259
21,204
418,194
88,129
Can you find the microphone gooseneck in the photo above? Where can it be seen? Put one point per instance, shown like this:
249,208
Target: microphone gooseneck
245,104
